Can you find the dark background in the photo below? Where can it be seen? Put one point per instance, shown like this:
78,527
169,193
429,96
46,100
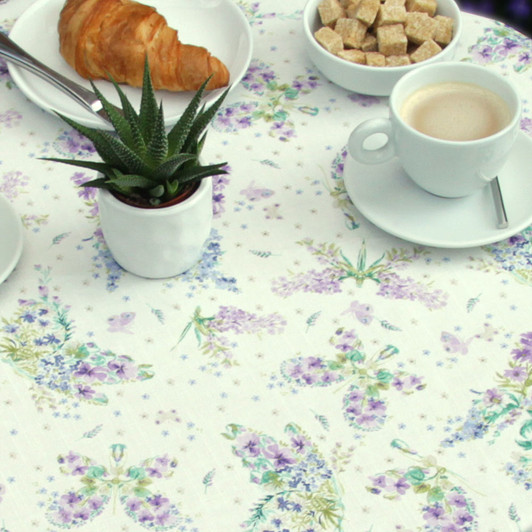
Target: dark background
516,13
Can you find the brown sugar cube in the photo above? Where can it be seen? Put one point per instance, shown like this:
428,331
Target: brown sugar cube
426,50
400,3
367,11
350,5
375,59
351,9
352,32
391,40
344,3
329,39
330,11
423,6
419,27
444,30
390,15
354,56
369,44
398,60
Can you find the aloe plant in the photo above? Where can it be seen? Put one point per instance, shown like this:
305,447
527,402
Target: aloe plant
140,160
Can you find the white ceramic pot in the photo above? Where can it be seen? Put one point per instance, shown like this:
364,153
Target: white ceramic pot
157,243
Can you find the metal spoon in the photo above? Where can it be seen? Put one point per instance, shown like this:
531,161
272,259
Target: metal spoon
11,51
500,210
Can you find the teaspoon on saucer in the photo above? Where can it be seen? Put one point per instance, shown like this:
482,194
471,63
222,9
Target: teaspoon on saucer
500,210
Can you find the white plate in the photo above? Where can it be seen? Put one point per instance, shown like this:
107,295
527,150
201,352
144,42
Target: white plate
386,196
10,238
218,25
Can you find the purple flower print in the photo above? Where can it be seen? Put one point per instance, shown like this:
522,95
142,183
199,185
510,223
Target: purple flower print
95,503
74,144
299,442
524,353
13,183
10,118
456,499
70,499
84,392
345,340
307,371
63,516
250,443
219,182
154,472
367,421
164,518
462,517
401,485
133,504
516,373
144,516
82,513
375,407
159,502
281,456
379,482
91,373
436,516
123,367
492,397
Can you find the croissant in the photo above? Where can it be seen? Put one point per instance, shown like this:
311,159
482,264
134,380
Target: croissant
99,38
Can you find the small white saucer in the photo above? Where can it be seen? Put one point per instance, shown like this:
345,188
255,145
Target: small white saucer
10,238
387,197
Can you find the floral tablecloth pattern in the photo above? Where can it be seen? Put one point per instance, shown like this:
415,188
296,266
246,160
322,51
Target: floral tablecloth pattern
312,373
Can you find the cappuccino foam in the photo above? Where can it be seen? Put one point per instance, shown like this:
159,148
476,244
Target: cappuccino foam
456,111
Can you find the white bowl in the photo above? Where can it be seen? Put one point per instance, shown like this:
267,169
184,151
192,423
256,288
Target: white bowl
377,81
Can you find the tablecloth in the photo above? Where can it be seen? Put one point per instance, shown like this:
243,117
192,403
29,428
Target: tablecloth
311,373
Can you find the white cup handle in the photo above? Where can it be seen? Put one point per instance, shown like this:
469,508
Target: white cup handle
362,132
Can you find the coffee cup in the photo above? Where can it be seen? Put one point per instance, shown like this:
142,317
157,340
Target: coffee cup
451,125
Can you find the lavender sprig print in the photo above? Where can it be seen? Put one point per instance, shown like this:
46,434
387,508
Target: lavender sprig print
339,268
211,331
447,506
13,183
303,493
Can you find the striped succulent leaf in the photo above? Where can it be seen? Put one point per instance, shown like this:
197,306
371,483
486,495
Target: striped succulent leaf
140,159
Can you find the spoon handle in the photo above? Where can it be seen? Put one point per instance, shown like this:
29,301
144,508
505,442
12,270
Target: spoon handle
11,51
500,210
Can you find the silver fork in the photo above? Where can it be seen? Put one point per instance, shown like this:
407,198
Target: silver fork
11,51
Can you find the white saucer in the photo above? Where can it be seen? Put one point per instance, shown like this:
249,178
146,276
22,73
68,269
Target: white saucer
218,25
10,238
386,196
